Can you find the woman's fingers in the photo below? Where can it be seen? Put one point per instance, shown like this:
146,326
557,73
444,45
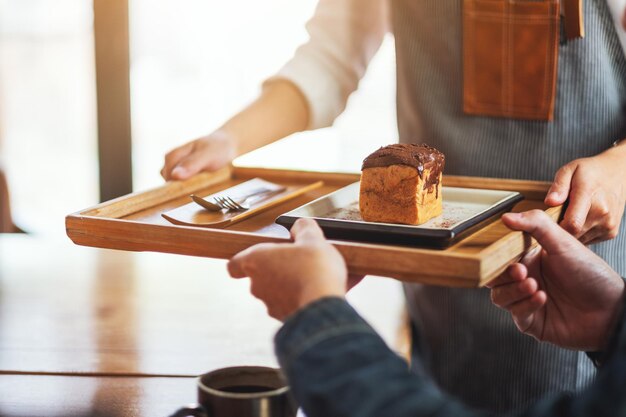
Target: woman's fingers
575,219
595,235
603,219
558,192
173,158
593,200
208,153
192,164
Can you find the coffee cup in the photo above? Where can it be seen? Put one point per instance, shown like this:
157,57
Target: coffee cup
241,391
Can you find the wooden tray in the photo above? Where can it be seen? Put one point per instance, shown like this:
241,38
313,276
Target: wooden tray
134,223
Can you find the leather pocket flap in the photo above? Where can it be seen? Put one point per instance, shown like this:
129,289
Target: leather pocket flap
510,51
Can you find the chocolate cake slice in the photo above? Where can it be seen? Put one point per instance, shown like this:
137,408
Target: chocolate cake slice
401,183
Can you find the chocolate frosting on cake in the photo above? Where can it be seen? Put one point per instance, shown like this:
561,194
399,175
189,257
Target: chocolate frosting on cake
410,154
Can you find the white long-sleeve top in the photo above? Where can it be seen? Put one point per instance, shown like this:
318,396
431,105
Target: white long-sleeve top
344,35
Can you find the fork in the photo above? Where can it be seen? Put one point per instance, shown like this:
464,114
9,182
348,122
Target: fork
228,203
242,203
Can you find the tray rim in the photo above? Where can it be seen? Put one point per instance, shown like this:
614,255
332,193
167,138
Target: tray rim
101,226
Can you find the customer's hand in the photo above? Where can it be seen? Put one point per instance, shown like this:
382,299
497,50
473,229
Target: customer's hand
287,277
596,188
208,153
562,292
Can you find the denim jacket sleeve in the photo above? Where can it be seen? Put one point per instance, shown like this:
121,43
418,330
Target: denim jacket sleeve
338,366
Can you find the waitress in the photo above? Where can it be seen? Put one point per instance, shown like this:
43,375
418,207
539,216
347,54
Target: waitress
502,92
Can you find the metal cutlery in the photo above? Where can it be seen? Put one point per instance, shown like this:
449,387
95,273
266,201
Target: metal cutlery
241,203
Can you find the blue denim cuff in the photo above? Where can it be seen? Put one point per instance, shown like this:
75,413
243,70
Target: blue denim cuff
321,320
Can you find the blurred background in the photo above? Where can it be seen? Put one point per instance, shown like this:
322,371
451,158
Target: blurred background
192,65
93,93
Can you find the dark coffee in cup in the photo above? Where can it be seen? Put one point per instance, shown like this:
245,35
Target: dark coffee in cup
241,391
247,389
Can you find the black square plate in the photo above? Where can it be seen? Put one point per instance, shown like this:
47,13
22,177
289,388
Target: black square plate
465,210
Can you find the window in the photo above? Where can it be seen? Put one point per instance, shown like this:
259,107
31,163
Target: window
47,110
193,64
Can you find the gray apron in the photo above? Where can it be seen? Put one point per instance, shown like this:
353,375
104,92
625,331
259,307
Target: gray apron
472,349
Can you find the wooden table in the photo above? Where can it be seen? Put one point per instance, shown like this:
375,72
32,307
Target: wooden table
91,332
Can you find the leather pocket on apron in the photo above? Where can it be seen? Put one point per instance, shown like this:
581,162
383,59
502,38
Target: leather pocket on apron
510,52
